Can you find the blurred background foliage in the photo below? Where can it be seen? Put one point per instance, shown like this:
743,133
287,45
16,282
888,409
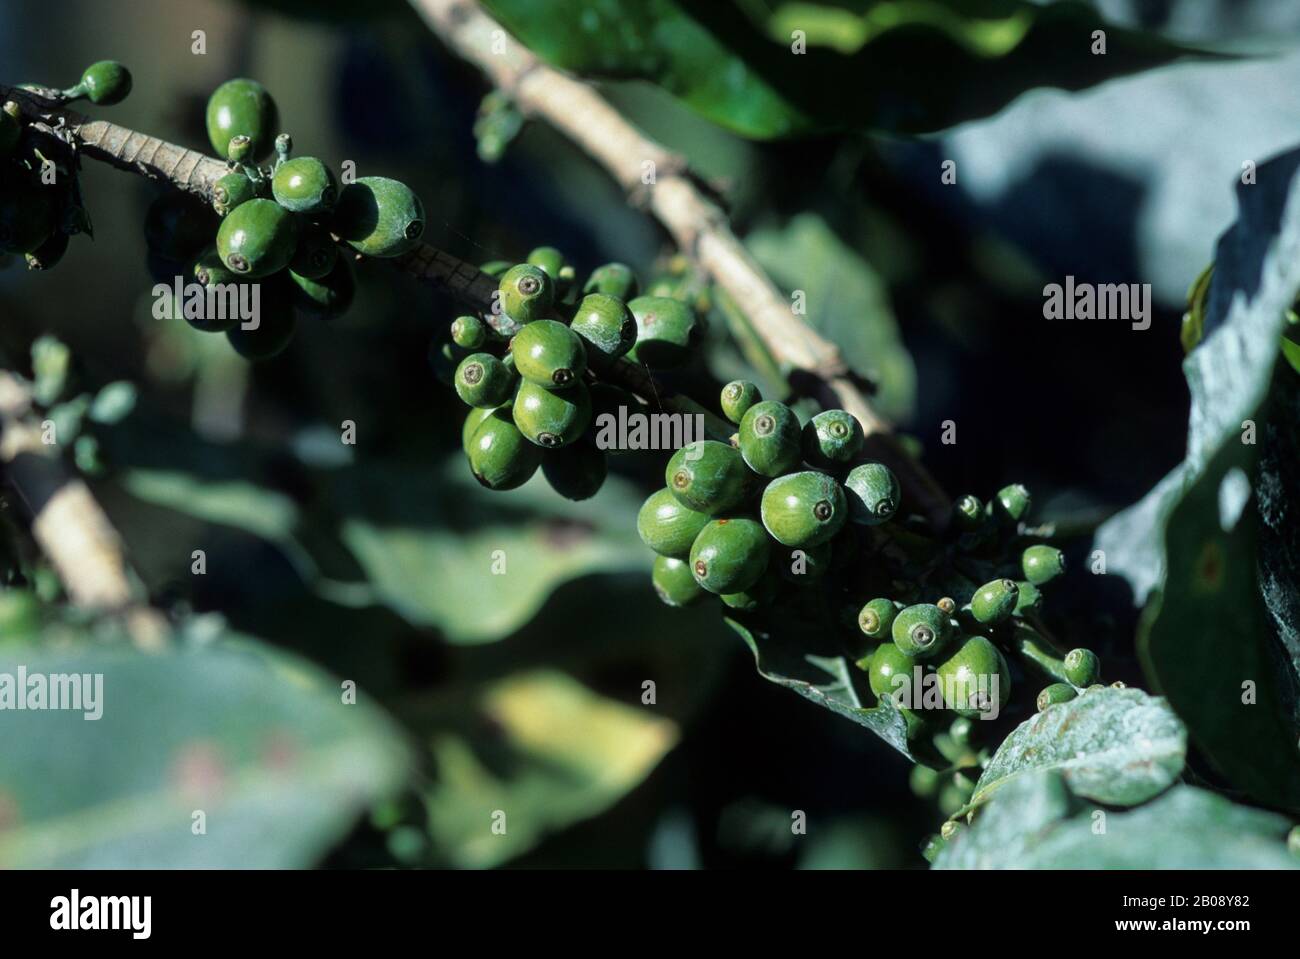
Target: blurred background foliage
523,692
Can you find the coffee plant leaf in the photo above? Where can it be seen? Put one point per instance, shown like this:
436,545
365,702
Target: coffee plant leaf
261,743
783,654
846,302
732,70
1037,823
520,757
422,554
1116,746
1213,638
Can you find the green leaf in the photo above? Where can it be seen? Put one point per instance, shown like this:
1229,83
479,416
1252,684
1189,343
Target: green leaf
745,75
1117,746
1036,823
532,753
797,656
846,302
1211,640
259,741
113,403
426,542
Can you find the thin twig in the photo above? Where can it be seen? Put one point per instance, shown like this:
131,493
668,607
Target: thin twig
68,524
697,225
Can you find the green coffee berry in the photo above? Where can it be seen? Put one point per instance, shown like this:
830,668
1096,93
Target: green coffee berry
803,509
729,555
378,217
549,354
613,279
1011,504
1082,667
496,268
472,422
482,380
668,527
208,271
331,295
963,732
876,617
888,662
1055,693
873,493
304,185
921,631
469,332
500,456
708,477
549,259
526,293
924,781
242,108
832,439
552,418
995,601
239,150
316,253
1293,841
769,438
804,565
276,322
230,191
666,331
103,84
1028,598
932,846
257,238
973,677
576,472
178,226
1042,564
968,512
673,581
737,397
605,323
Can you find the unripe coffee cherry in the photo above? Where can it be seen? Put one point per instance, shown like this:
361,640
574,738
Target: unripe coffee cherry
1042,564
737,397
500,457
257,238
968,512
832,439
1055,693
482,380
605,323
972,676
887,662
872,492
666,331
708,477
468,332
668,527
613,279
550,259
993,602
1028,598
379,217
922,630
576,472
673,581
242,107
876,618
761,594
552,418
1082,667
730,554
1011,505
230,191
304,185
803,509
549,354
769,438
331,294
103,84
526,293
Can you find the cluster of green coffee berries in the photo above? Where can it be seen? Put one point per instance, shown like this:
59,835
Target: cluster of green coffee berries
40,194
286,226
533,394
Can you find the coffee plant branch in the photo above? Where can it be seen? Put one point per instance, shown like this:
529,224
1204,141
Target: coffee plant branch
68,524
697,225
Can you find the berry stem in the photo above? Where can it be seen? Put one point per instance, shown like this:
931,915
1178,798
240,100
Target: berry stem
697,224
